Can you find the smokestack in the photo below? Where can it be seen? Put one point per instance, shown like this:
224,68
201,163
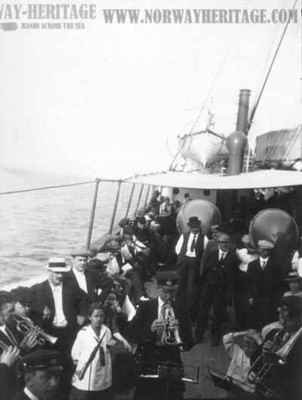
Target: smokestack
243,111
236,142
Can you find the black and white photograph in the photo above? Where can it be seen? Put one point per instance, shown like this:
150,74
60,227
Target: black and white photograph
151,200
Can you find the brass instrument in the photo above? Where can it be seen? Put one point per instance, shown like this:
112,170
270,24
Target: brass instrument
262,366
169,333
27,327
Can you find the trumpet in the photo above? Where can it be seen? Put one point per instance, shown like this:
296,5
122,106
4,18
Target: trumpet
27,327
170,333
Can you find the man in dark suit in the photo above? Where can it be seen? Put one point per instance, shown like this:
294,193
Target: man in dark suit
42,370
8,359
80,276
265,285
217,285
60,305
147,331
189,250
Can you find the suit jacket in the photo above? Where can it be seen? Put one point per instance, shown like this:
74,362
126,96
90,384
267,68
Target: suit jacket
199,246
220,273
21,396
141,323
7,382
264,284
11,340
90,280
74,302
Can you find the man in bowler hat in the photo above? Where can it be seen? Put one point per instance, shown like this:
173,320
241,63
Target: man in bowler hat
189,250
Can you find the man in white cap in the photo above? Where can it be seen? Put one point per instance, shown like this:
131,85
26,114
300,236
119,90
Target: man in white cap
265,279
60,305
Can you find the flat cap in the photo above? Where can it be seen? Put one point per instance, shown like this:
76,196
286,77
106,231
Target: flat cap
293,303
81,252
42,359
265,244
293,276
22,295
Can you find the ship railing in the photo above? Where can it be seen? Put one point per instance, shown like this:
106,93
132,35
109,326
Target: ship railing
144,193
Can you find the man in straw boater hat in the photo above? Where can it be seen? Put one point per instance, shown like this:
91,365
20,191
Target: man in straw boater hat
42,370
60,305
155,329
189,250
294,281
265,286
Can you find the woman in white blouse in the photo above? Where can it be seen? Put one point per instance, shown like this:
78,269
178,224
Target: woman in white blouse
92,380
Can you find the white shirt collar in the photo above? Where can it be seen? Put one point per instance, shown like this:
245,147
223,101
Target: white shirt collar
30,394
55,287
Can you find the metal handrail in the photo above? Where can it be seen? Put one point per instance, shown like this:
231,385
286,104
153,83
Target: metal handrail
147,196
115,207
130,199
92,213
139,197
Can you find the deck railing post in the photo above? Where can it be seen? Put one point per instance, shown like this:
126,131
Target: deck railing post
92,212
147,196
130,200
115,207
139,198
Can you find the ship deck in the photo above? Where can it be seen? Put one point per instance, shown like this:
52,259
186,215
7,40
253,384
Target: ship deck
203,355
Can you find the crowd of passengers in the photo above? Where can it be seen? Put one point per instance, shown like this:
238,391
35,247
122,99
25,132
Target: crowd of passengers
74,336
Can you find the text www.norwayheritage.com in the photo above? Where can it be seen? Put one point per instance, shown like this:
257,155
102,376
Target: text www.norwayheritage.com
199,16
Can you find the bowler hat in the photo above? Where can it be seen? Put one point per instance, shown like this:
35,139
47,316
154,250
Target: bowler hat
167,279
194,222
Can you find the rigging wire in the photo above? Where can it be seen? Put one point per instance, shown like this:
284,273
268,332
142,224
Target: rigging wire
252,116
206,99
46,187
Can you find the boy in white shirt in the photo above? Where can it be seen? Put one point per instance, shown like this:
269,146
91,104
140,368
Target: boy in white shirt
93,375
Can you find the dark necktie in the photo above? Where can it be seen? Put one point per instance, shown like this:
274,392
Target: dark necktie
102,356
193,242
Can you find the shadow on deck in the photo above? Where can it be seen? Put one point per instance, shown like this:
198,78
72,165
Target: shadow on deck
204,356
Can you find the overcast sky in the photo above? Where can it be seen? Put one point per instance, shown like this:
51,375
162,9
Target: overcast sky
110,100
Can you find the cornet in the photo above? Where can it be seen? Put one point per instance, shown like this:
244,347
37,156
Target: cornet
27,327
170,334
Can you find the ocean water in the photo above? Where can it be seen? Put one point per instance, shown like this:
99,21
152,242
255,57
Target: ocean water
40,224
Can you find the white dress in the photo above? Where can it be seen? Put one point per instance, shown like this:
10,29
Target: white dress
97,377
